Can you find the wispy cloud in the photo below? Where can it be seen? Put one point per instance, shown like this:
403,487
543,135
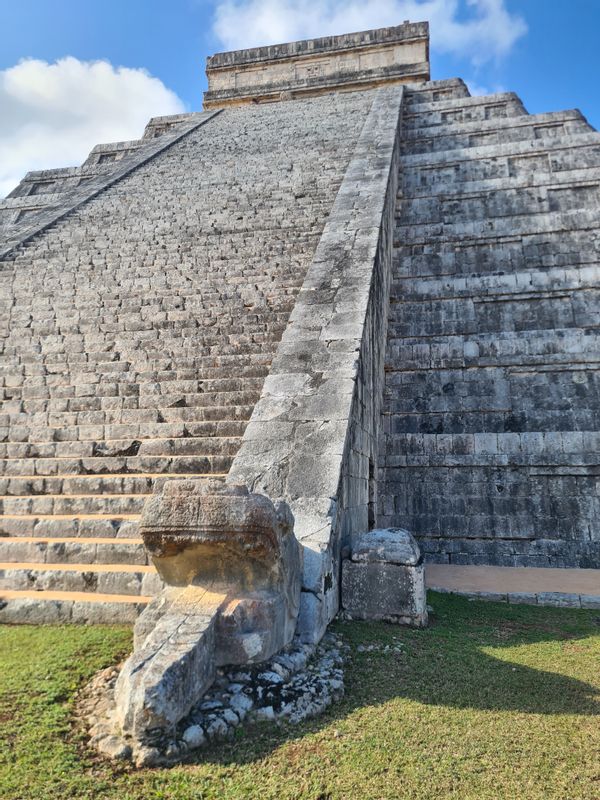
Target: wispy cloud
51,115
480,30
479,89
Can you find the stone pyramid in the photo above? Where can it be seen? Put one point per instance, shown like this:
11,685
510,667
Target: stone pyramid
342,284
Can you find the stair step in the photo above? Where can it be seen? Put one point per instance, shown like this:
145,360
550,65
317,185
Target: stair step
40,386
70,540
160,465
65,550
133,579
145,483
106,504
198,446
70,516
157,349
128,416
151,365
71,525
97,597
26,432
137,374
266,333
54,607
63,399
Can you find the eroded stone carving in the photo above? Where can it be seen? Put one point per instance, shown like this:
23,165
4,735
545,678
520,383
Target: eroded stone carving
232,569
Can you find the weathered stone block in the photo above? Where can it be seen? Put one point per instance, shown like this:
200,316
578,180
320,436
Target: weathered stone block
233,570
384,579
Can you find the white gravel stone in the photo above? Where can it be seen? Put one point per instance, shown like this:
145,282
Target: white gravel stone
241,704
194,736
217,729
264,714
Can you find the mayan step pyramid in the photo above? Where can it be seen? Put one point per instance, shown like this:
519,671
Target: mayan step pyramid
155,299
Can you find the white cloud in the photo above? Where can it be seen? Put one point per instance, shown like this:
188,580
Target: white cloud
479,89
480,30
51,115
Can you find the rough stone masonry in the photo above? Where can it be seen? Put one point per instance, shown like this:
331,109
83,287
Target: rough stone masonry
366,297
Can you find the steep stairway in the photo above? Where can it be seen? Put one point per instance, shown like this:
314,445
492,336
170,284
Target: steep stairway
72,494
135,336
491,416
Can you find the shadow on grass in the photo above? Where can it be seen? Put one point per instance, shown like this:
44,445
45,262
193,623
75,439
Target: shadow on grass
447,665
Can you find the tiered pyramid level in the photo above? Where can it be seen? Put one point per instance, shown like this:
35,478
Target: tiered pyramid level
492,413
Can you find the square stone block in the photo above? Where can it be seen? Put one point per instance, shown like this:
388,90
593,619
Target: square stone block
384,579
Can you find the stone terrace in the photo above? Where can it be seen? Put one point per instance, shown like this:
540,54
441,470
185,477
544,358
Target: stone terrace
491,420
136,333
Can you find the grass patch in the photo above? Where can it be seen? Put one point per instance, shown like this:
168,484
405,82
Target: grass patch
492,701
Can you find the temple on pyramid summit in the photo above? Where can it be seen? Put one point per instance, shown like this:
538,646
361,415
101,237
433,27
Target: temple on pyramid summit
330,340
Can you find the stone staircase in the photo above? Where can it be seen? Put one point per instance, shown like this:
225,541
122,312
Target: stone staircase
135,335
71,494
491,417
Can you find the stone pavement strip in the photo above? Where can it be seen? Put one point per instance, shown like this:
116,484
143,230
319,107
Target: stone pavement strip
537,586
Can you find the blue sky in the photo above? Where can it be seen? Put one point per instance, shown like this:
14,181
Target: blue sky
547,51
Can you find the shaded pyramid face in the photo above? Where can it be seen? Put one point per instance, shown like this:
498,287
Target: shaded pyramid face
491,400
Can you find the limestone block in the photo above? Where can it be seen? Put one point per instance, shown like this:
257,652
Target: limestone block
384,579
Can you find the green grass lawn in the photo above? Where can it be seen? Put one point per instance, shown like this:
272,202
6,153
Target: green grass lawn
492,701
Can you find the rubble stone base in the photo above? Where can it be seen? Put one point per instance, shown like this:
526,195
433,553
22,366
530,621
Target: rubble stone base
300,682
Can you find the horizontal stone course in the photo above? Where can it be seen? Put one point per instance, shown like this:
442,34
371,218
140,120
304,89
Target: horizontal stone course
116,580
67,551
477,133
63,607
